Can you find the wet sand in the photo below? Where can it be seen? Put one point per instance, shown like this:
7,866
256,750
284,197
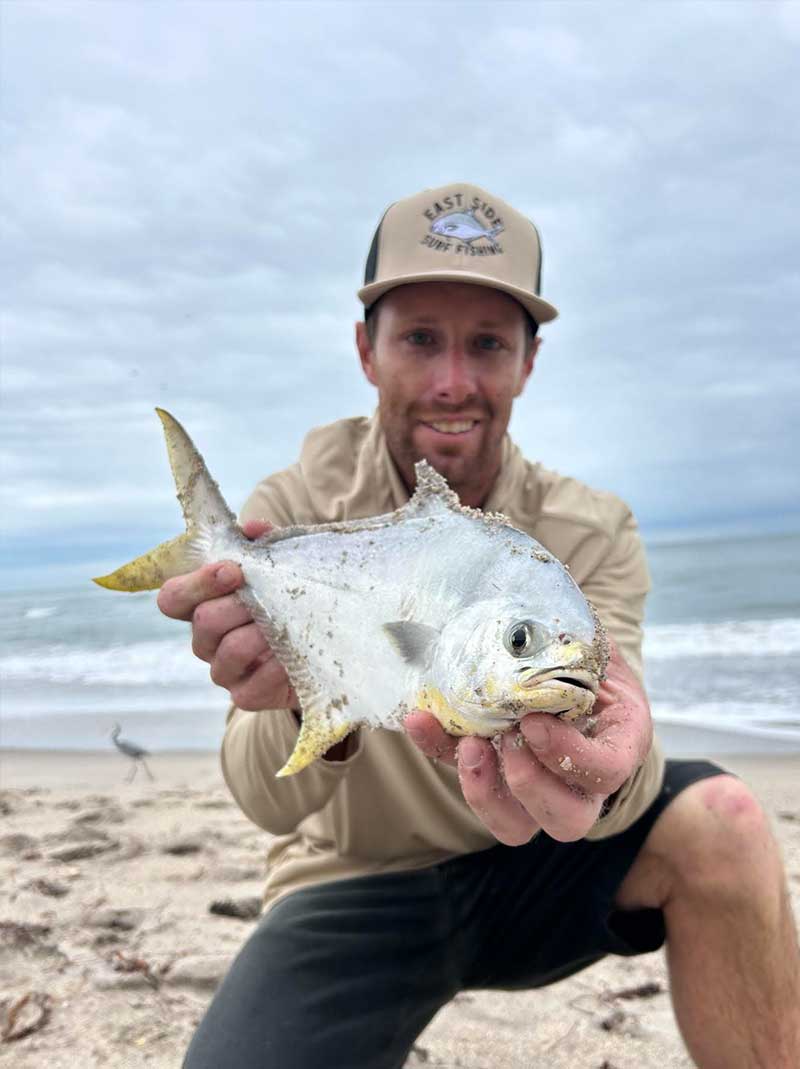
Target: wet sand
105,924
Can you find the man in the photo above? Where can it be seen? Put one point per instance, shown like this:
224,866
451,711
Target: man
410,866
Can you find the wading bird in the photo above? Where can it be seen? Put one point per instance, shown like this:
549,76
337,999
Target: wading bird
136,753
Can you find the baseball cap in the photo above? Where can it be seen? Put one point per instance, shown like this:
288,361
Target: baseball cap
457,233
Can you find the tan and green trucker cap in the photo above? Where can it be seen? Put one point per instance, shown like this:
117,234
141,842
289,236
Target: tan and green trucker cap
457,233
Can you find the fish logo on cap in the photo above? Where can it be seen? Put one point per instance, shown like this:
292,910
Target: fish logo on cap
464,226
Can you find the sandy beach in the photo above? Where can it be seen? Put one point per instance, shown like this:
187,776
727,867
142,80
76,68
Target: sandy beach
106,925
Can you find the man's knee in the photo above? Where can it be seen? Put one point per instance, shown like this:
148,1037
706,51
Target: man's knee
715,838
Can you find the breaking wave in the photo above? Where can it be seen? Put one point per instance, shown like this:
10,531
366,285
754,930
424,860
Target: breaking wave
727,638
40,612
169,662
165,662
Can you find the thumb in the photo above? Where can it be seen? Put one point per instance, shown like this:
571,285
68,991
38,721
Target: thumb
256,528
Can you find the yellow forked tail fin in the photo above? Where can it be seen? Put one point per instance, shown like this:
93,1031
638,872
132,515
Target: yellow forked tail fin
203,507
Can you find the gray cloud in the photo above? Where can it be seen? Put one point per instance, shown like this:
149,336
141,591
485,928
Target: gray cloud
189,191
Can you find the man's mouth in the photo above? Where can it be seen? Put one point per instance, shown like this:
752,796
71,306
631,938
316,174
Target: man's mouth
451,426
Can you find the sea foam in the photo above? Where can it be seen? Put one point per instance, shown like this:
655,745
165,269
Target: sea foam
727,638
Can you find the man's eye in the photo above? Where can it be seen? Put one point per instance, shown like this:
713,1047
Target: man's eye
419,337
486,341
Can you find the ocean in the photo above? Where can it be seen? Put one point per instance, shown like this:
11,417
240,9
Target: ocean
722,640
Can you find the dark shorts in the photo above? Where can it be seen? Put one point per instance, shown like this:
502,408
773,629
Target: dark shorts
347,974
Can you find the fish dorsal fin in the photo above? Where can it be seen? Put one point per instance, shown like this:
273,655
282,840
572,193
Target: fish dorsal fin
412,641
432,492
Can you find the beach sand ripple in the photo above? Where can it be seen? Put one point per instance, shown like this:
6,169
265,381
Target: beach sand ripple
122,906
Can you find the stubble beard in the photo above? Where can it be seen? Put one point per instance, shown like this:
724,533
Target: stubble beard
470,475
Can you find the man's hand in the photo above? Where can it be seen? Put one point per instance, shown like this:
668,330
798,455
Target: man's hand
547,774
224,635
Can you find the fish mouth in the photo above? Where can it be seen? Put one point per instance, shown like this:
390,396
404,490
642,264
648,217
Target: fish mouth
529,678
566,692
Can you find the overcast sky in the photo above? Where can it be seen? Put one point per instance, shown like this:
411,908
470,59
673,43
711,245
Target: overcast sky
189,192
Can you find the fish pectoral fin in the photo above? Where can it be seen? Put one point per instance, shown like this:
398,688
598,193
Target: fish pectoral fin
151,570
317,735
412,641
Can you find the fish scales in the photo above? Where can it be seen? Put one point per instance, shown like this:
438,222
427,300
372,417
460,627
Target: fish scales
435,606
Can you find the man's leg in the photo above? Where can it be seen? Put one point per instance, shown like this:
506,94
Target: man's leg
340,975
712,865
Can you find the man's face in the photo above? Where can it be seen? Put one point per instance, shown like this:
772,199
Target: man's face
448,360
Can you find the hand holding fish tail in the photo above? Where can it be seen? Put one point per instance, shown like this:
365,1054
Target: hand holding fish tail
224,635
548,774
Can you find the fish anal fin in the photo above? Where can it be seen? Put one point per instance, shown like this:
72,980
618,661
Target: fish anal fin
317,735
413,641
151,570
324,721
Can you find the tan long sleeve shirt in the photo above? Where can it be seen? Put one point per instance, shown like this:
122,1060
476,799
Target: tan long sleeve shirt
386,807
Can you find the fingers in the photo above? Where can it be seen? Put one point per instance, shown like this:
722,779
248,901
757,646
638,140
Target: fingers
513,799
179,597
549,775
601,761
224,635
565,809
481,782
488,795
238,653
429,735
593,765
244,665
256,528
213,620
265,687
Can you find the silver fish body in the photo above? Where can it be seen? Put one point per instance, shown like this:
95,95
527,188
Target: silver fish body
434,606
464,226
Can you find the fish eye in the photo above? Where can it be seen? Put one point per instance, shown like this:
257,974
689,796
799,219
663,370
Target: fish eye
519,638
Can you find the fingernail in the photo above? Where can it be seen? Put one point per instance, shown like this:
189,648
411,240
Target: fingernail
470,753
536,734
225,576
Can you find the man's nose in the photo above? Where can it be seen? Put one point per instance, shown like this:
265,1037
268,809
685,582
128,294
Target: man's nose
455,376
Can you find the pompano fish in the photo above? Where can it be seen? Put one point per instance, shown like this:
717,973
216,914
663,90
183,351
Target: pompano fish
465,227
434,606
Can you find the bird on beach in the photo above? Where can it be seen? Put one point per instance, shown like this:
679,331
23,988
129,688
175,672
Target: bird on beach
132,750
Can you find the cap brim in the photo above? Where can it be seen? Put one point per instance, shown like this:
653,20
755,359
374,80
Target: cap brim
541,311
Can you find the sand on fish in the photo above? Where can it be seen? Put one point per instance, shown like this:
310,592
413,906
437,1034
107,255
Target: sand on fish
109,950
